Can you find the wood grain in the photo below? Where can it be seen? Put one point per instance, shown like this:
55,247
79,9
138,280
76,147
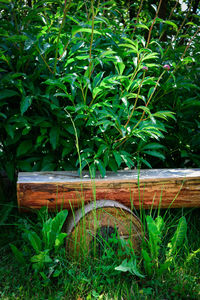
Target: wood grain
164,187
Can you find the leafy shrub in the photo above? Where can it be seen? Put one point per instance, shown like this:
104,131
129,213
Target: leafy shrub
75,72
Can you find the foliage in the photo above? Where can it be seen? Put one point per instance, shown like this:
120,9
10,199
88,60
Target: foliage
42,244
79,63
91,74
98,277
155,261
151,251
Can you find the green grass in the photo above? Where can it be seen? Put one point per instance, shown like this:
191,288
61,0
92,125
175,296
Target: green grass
96,277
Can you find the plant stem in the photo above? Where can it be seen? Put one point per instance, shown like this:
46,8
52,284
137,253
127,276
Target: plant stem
135,100
154,20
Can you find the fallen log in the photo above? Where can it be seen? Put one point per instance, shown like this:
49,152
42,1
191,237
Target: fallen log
144,188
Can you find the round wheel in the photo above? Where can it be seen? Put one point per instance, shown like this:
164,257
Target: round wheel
91,228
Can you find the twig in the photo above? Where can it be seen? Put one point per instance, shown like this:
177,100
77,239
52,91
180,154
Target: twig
154,20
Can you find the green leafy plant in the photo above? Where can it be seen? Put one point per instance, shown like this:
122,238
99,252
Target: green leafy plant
156,259
42,245
154,264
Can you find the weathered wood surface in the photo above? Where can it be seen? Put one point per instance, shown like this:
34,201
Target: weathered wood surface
167,187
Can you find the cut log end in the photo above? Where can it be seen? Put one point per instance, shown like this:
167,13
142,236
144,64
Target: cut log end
92,232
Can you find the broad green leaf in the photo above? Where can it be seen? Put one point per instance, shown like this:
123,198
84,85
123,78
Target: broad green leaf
58,221
150,56
147,262
82,57
117,157
54,137
35,241
55,83
97,79
155,154
24,147
121,67
60,240
164,115
132,47
150,92
129,266
67,150
46,233
160,48
159,223
18,254
146,162
73,19
101,168
154,237
188,60
3,115
25,103
190,103
7,94
57,272
179,236
153,229
152,146
107,53
172,24
141,26
133,42
76,29
101,150
191,23
41,258
112,164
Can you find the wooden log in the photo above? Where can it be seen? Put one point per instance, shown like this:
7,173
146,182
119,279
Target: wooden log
89,228
147,188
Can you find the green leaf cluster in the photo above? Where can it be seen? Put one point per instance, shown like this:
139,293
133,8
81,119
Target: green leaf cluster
156,259
42,243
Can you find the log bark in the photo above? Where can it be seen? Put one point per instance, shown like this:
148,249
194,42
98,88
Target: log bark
149,188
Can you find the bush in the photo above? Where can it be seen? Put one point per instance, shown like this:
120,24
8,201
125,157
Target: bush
74,75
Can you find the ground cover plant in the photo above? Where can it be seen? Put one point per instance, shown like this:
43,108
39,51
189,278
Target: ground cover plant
98,85
166,268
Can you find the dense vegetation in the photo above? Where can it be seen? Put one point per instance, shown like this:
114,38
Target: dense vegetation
98,85
89,65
